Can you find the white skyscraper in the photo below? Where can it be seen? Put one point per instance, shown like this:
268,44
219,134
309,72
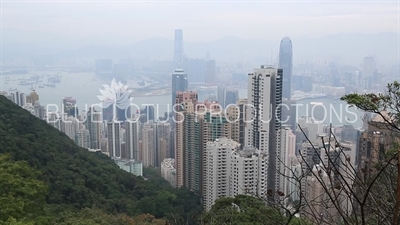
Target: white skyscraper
287,153
264,116
114,138
229,171
132,137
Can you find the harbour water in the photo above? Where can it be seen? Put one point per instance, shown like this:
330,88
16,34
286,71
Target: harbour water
84,87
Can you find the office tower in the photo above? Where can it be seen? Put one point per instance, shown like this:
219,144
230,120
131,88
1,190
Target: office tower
32,98
69,106
178,48
289,113
179,84
263,132
168,171
286,64
114,138
211,76
221,94
83,137
196,70
132,137
230,171
148,145
92,124
369,66
231,97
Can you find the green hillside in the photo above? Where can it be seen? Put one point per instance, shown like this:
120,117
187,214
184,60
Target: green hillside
77,179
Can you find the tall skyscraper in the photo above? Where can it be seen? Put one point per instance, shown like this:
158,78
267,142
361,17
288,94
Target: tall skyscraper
92,124
263,132
286,63
148,144
179,83
229,171
188,101
132,137
178,48
114,138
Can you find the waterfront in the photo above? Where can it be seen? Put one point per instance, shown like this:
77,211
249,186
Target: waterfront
84,87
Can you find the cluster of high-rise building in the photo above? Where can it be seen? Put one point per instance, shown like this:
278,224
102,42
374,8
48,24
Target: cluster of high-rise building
228,146
225,146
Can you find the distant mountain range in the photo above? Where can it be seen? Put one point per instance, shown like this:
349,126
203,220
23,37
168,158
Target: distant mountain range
348,48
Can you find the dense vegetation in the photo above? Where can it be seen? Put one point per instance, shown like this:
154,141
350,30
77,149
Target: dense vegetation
59,182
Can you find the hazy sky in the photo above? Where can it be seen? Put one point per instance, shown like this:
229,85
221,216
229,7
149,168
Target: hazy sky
129,21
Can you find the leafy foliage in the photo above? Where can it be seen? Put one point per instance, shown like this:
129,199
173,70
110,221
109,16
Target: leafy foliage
244,209
78,179
21,193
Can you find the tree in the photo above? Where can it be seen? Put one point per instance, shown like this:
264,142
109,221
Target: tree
330,186
387,106
22,194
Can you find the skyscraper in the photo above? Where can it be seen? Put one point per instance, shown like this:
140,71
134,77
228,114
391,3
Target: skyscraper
188,100
114,138
263,132
178,48
92,124
179,83
132,136
229,171
286,63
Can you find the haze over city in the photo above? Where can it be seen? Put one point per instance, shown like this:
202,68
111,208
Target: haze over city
199,112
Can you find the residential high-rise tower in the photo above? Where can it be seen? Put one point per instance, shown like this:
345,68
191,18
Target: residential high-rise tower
263,132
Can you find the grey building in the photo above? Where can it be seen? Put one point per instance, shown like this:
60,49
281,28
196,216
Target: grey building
286,64
179,83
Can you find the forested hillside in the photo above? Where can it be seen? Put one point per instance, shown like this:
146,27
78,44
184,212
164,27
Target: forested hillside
75,182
